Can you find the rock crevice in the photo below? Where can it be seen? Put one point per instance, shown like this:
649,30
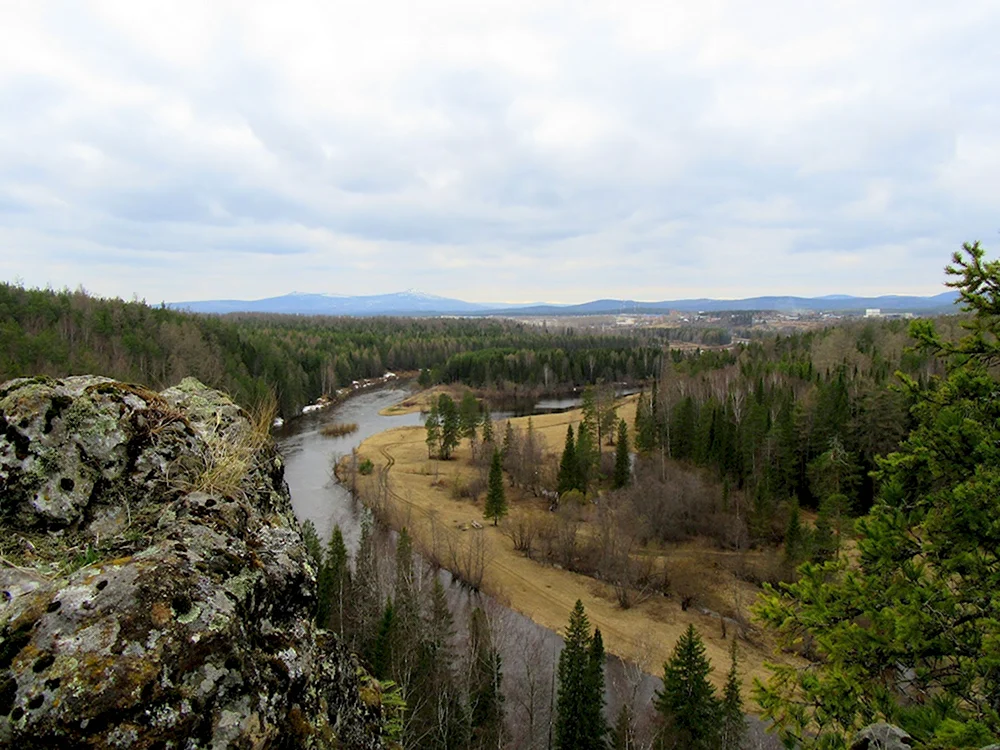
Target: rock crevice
154,588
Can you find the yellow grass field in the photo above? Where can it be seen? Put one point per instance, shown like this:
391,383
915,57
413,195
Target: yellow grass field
418,495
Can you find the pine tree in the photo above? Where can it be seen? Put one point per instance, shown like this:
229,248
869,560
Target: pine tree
567,479
366,606
623,734
407,624
733,727
496,499
449,426
381,656
586,458
508,444
438,716
795,538
687,704
579,708
885,616
336,583
468,416
485,677
623,459
595,726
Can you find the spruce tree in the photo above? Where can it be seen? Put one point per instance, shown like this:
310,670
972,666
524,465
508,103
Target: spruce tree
496,499
380,655
407,625
586,458
450,434
595,725
687,703
485,678
623,734
733,725
917,604
579,710
795,538
366,606
336,583
508,444
468,416
623,459
567,479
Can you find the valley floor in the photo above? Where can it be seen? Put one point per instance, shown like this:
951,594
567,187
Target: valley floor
413,491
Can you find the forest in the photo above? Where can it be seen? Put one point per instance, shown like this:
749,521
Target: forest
298,358
860,458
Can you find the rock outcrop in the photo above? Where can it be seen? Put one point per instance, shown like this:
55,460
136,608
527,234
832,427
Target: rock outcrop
881,736
154,588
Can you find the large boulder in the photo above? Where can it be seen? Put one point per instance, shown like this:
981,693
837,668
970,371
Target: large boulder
881,736
154,587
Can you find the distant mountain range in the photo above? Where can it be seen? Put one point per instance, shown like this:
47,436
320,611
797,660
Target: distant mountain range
413,303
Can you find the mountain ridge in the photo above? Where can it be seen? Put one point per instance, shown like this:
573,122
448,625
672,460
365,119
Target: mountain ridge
414,303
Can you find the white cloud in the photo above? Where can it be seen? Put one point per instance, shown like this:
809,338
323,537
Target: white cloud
496,150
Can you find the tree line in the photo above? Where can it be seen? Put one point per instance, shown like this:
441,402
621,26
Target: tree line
298,358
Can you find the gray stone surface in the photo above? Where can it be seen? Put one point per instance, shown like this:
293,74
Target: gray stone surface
881,736
142,606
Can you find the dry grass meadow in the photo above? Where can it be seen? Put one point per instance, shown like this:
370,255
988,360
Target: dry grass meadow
409,489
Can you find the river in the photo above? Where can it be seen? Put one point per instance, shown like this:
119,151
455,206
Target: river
529,651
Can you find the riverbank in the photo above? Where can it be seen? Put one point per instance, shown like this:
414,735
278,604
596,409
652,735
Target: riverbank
410,490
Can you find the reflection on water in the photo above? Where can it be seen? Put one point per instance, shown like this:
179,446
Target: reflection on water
309,459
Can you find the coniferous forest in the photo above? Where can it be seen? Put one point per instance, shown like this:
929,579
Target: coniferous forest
861,455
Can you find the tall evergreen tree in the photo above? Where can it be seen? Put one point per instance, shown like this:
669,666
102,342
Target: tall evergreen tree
366,603
796,542
468,418
335,584
381,653
595,725
438,716
918,605
496,499
576,725
508,444
587,456
623,734
687,703
567,479
450,428
488,433
623,458
733,724
485,676
407,623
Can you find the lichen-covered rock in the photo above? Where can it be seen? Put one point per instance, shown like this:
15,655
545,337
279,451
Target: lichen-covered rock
154,588
881,736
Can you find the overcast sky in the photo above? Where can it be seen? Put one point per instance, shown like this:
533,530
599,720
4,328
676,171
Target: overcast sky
497,151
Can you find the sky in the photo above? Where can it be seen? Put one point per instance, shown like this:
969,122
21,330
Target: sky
497,151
